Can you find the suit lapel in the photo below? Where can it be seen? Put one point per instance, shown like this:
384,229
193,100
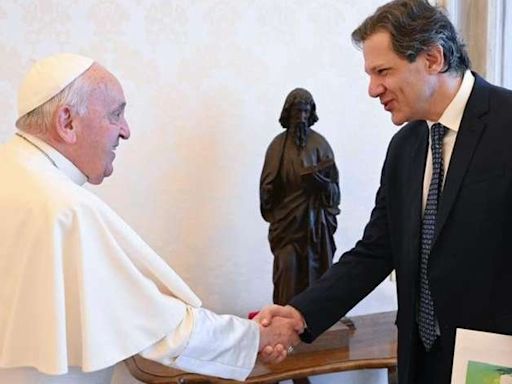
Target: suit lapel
470,131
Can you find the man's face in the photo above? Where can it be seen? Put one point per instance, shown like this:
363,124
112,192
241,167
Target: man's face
299,113
405,89
101,127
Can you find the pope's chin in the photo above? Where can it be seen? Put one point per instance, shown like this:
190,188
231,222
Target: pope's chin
108,171
95,180
98,178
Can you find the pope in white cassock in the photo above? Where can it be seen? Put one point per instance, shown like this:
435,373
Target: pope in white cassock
79,290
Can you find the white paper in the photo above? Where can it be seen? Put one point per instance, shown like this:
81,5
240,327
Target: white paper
482,357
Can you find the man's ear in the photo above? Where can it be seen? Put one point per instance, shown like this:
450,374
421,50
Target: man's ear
65,129
435,59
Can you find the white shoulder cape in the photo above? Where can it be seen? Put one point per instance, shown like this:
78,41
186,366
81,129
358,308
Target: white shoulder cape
78,287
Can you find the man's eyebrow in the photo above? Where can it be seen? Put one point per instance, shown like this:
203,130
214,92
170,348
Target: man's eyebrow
375,68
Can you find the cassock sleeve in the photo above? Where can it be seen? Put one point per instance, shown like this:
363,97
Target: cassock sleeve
206,343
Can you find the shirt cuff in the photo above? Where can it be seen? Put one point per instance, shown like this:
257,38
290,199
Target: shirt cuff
220,345
217,345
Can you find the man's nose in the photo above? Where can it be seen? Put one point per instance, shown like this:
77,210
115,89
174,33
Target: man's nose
375,88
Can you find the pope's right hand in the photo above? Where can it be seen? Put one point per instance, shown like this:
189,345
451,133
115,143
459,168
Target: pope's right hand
277,339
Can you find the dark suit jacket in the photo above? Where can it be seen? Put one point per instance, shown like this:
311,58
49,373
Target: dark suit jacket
470,266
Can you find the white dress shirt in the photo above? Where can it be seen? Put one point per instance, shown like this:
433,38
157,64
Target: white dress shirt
451,118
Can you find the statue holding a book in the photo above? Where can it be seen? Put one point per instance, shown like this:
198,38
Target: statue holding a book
299,198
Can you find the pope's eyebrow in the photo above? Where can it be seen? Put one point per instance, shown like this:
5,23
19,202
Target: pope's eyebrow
122,105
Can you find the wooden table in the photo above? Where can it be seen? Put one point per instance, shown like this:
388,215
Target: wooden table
372,344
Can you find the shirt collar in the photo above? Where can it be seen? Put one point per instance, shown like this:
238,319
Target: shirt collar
452,115
57,158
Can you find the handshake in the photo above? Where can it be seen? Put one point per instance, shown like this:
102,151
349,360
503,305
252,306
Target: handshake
280,328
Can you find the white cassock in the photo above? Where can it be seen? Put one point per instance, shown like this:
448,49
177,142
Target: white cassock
80,291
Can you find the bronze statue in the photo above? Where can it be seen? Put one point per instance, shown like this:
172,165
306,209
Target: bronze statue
299,197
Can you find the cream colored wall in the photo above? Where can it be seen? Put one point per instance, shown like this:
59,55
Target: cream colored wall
205,81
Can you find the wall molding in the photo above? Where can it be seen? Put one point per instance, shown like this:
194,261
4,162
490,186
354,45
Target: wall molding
495,41
485,27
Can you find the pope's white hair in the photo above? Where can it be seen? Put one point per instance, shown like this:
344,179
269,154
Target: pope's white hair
74,95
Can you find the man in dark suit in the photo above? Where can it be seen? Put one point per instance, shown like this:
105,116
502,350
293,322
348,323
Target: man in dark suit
443,212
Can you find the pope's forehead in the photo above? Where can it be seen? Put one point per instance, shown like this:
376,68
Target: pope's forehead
98,74
103,80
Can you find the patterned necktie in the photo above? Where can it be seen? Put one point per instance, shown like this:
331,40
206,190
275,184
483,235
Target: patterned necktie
426,317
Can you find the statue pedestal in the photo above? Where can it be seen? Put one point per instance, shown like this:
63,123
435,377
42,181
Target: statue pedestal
335,337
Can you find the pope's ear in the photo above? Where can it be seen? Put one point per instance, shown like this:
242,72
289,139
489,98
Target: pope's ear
66,131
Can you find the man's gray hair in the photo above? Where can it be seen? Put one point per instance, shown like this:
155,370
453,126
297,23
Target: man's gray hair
39,120
415,26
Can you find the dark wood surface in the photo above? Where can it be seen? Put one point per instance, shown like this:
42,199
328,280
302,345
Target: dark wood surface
372,344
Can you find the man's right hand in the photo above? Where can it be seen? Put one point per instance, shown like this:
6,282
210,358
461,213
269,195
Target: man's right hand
268,313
